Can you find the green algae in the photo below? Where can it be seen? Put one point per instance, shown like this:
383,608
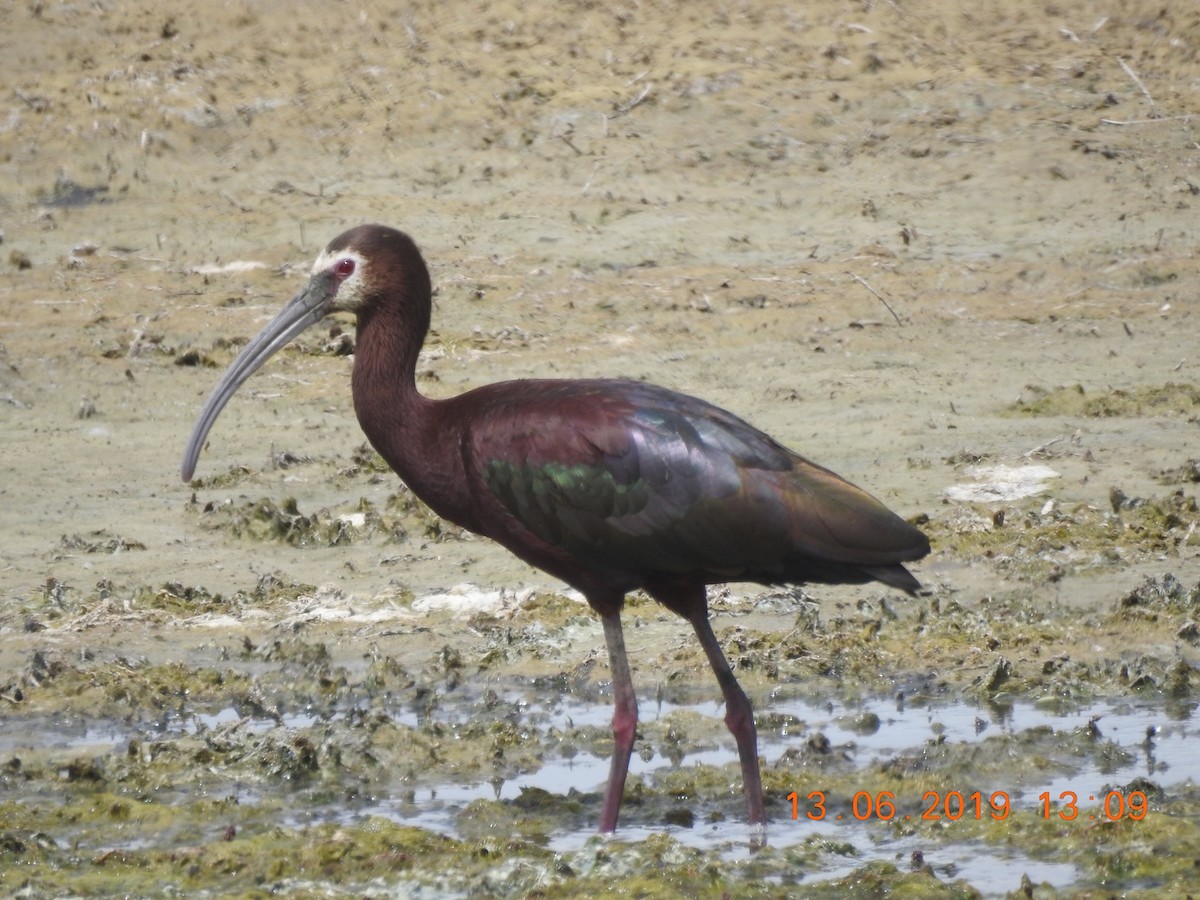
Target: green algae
241,856
100,541
372,857
319,730
1169,399
365,460
261,862
282,521
1186,473
59,602
231,477
1155,596
1014,643
267,520
1033,542
180,599
118,687
1149,856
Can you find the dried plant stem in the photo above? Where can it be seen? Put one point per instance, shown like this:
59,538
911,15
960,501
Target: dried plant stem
1134,78
878,296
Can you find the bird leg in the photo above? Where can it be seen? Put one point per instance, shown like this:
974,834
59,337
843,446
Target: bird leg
624,723
739,716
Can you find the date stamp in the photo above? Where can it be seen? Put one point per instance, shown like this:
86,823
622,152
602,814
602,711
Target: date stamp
951,806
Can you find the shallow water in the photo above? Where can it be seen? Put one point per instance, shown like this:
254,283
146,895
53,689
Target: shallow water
1153,738
1167,760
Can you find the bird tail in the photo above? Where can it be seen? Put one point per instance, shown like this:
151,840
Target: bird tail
894,576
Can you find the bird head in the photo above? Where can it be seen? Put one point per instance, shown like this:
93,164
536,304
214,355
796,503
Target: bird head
358,272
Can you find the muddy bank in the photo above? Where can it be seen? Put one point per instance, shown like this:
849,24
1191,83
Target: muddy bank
931,249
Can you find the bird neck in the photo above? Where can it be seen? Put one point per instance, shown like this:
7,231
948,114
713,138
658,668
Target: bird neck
404,426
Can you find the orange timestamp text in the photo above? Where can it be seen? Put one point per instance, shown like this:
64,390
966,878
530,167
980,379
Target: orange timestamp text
954,805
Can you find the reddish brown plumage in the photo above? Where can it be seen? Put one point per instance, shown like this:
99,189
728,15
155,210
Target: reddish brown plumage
609,485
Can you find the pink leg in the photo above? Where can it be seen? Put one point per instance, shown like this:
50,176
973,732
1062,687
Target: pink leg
624,723
739,716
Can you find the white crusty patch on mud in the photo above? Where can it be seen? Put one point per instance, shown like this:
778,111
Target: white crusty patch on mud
999,483
229,268
465,600
330,603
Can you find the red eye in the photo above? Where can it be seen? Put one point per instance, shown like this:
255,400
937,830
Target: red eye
344,268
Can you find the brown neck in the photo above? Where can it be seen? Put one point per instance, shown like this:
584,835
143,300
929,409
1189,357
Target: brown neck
410,431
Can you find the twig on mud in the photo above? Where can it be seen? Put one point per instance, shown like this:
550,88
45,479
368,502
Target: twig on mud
626,107
587,185
878,296
1184,118
34,101
1134,77
567,140
1042,451
232,201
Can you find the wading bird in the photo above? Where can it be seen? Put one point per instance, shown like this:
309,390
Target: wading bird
609,485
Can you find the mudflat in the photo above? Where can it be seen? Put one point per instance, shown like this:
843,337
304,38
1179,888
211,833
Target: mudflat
949,253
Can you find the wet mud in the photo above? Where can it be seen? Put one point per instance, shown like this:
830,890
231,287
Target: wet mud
950,253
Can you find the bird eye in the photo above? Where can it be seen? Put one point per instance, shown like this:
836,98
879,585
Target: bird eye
344,267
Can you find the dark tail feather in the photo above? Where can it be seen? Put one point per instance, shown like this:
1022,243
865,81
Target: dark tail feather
894,576
822,571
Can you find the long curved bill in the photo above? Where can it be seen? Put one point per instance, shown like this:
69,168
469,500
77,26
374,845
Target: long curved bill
307,308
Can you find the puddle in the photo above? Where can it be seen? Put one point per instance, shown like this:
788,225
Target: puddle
900,731
993,874
1141,740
